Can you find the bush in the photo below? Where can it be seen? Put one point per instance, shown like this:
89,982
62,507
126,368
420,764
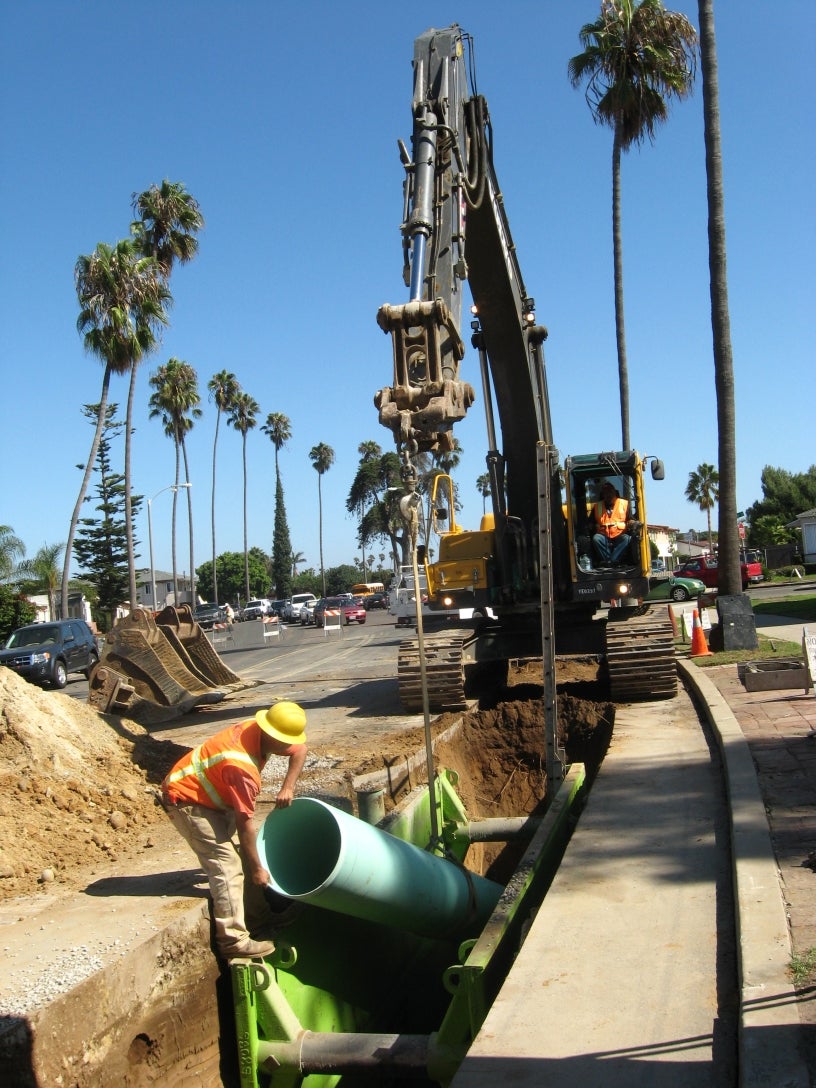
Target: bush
15,611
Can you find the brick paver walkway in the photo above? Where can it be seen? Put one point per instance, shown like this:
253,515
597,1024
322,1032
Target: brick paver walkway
780,727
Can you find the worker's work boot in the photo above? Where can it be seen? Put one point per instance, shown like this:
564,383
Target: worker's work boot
249,949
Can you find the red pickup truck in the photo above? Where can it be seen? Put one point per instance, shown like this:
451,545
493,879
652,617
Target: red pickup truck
705,568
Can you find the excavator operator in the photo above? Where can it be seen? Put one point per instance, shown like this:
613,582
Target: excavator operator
612,519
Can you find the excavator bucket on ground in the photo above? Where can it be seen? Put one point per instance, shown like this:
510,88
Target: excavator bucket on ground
156,669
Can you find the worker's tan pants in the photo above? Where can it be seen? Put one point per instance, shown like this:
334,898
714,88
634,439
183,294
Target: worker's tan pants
211,835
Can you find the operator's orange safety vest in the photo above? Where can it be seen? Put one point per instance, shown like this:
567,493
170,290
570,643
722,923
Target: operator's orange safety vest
612,522
199,776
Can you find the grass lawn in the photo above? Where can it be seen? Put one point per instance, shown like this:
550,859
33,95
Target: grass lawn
795,606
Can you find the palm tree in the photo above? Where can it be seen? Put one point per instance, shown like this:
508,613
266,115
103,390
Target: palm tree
12,549
370,453
297,559
483,487
242,417
223,388
169,219
122,299
176,403
703,490
635,57
278,428
729,575
43,571
322,458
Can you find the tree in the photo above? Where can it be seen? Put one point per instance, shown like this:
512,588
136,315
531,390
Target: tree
483,487
322,458
242,416
703,490
12,550
101,544
232,575
281,547
635,57
729,579
379,484
169,219
297,559
122,299
42,575
176,403
278,427
223,389
785,495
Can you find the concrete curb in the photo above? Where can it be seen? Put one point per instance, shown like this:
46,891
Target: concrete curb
768,1017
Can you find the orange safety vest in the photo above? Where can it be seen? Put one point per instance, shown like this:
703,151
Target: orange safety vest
199,776
612,522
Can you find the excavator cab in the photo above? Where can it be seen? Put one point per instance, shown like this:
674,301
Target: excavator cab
607,568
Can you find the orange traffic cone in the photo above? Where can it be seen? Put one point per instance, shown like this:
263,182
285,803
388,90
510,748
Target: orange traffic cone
699,646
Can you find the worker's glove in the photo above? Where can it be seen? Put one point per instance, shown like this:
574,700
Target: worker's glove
634,528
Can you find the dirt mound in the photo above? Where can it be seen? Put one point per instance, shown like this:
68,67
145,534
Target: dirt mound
75,787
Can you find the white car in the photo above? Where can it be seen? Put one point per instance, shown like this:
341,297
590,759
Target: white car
291,610
307,611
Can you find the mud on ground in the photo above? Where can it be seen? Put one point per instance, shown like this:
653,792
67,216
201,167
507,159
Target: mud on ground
77,788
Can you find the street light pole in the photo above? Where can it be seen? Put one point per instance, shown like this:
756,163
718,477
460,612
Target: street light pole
170,487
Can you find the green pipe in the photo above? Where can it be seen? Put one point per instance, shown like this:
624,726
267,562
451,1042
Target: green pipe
321,855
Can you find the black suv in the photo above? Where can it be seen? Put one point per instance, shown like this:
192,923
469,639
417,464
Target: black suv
46,652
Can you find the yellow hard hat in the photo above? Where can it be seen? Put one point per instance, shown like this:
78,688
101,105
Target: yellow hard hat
284,721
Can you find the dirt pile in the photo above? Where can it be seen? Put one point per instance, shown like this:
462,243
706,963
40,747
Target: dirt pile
76,788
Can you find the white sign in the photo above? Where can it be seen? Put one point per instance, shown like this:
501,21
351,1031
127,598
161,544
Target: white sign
809,650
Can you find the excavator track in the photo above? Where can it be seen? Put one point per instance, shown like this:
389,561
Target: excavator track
640,655
444,672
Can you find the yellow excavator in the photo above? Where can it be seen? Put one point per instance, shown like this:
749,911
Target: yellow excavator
531,574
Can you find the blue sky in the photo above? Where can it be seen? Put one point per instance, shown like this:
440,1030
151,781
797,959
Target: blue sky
282,120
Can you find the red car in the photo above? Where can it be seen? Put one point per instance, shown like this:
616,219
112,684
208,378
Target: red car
354,611
351,608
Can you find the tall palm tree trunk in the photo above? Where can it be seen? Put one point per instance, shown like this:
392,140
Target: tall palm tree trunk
620,329
189,491
730,577
246,544
212,513
128,488
173,527
69,547
320,530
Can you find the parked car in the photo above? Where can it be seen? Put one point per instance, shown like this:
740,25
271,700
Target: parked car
307,612
256,609
207,615
658,566
351,610
291,609
675,588
705,568
354,610
376,600
46,653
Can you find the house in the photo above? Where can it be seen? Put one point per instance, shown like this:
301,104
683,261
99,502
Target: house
807,523
664,539
163,580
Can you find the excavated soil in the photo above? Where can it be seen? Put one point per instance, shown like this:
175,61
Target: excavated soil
77,788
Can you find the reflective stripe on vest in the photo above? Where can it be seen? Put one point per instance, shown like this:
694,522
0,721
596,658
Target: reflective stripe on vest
197,768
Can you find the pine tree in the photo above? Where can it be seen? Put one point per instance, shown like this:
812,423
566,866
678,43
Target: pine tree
281,548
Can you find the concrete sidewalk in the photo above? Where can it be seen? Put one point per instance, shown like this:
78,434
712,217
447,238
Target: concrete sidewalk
616,984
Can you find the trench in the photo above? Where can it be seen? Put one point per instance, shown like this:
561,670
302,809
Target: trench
186,1033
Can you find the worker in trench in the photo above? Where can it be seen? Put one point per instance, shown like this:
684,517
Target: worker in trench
210,797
